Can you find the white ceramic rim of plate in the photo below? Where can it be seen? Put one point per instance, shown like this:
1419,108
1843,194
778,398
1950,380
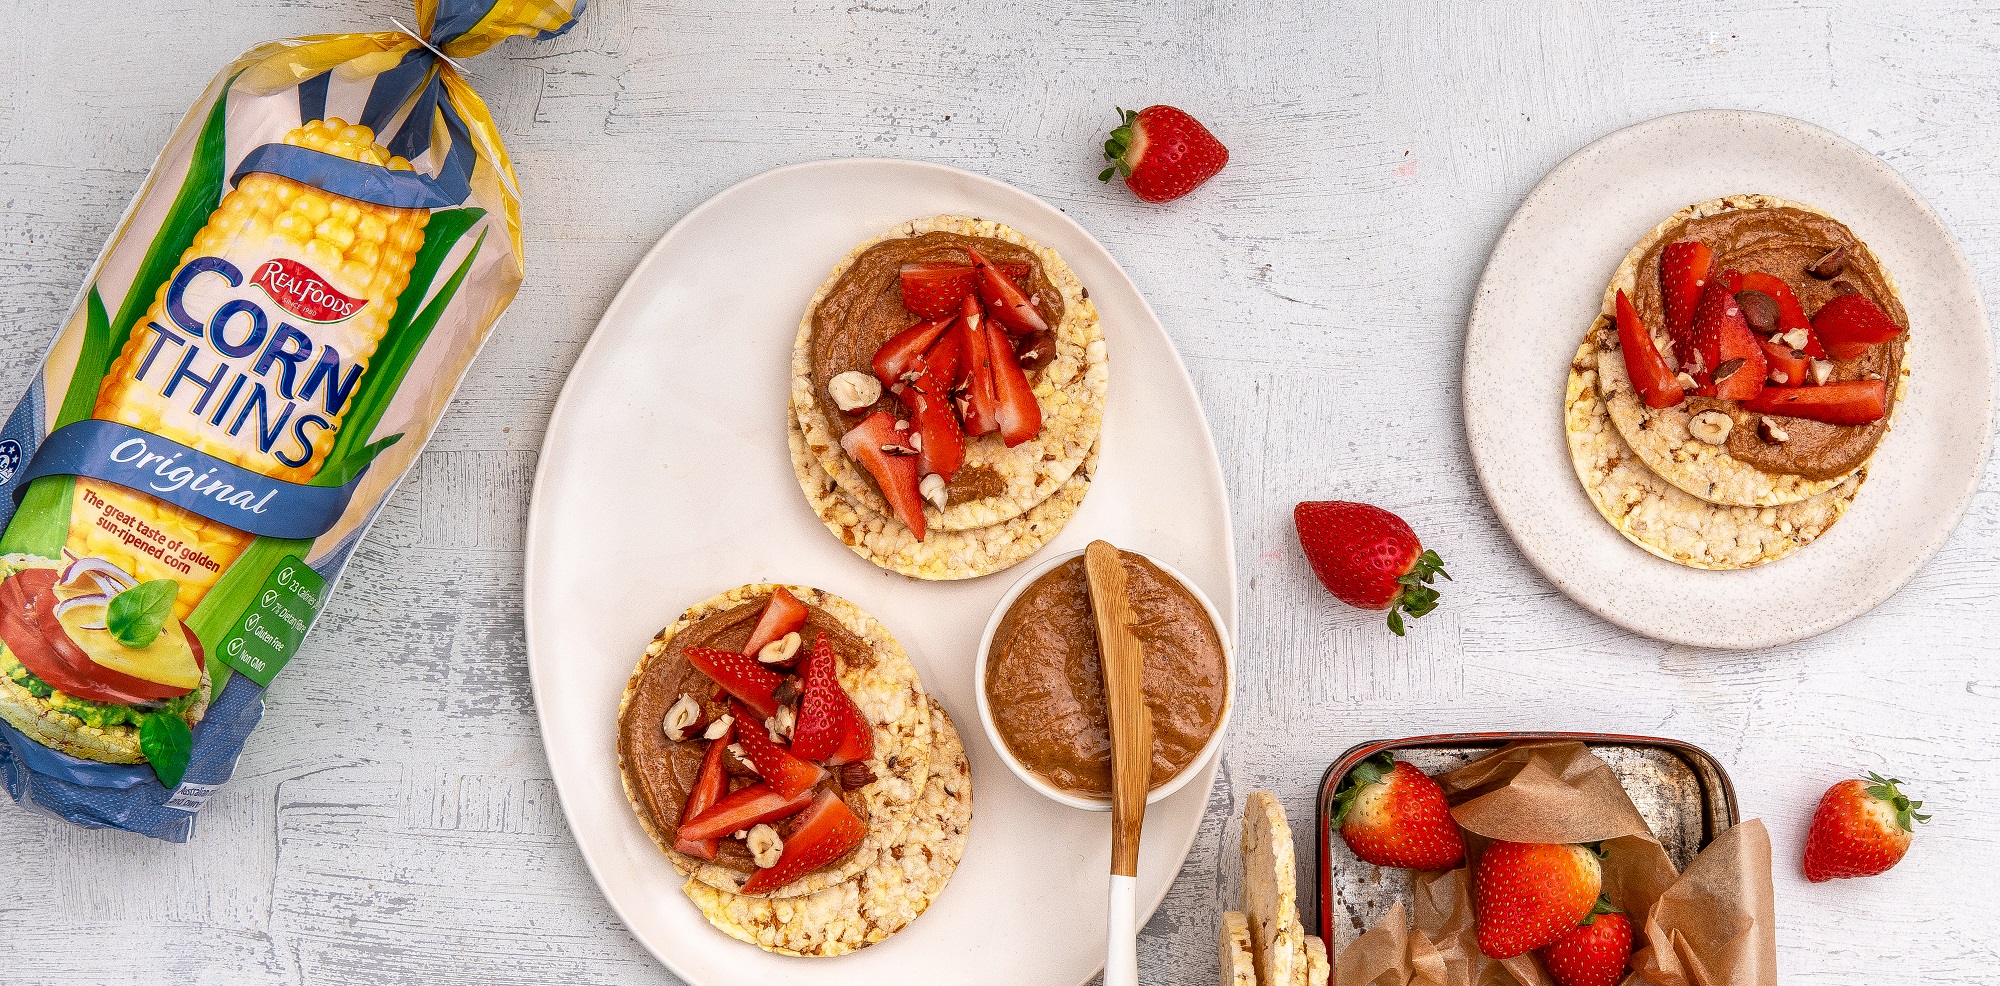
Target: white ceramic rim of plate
1486,330
1034,780
623,298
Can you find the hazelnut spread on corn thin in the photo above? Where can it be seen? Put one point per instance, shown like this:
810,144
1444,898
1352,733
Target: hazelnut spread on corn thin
663,770
1045,685
865,309
1785,243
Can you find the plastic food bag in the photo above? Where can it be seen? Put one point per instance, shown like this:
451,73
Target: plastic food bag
263,348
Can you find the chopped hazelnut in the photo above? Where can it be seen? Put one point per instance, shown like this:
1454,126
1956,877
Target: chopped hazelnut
781,650
684,719
764,845
719,727
1712,427
854,390
933,489
1822,371
1770,431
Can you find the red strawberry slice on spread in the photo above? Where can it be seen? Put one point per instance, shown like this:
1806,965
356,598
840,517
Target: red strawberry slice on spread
1368,558
946,361
903,350
1791,314
709,787
1643,363
1393,814
742,808
884,451
826,831
1783,360
1850,323
1861,828
740,675
1017,413
831,727
1717,315
1593,953
1740,370
1015,270
1527,895
783,614
1162,152
943,441
935,290
1844,402
1684,269
981,401
787,774
1004,300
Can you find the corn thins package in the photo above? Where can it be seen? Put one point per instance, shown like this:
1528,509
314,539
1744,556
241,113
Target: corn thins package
264,346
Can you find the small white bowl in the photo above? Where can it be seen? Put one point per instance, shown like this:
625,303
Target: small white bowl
1029,777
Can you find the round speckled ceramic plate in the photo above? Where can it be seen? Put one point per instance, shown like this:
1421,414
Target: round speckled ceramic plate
1543,285
665,478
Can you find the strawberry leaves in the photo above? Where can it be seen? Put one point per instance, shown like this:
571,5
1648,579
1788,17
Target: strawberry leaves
1417,597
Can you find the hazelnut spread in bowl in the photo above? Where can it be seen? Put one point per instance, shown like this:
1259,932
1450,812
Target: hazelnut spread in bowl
1042,687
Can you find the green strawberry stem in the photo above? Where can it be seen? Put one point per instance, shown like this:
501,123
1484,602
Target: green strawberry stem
1118,144
1373,770
1417,597
1906,810
1603,906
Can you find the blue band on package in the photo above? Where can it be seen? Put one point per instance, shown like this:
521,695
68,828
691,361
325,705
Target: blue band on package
371,183
190,479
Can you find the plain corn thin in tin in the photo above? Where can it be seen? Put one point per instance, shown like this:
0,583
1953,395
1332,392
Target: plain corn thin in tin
262,349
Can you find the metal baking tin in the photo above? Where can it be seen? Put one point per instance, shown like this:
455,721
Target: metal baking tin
1683,793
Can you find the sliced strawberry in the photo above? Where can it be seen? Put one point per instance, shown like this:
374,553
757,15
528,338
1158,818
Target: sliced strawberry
740,675
880,448
787,774
1850,323
935,290
1017,413
709,787
981,401
1845,402
1683,276
742,808
831,727
905,349
826,831
1649,373
1016,271
946,361
1740,373
1791,314
1004,299
1783,359
782,615
1718,306
943,449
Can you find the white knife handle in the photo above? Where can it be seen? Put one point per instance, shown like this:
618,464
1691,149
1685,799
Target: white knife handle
1121,959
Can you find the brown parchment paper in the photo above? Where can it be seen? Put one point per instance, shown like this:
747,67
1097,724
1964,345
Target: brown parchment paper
1710,926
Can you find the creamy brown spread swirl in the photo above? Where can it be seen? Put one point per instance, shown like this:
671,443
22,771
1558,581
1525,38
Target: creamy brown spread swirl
1045,684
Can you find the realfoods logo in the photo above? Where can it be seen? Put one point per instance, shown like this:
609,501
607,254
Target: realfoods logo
298,290
10,460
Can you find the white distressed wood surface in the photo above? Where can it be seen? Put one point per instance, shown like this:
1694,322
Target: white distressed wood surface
393,820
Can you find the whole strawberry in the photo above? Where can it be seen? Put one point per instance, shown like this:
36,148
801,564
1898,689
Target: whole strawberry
1862,827
1527,895
1368,558
1593,953
1393,814
1162,152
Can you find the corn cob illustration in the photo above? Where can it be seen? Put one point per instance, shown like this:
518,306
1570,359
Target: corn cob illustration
220,395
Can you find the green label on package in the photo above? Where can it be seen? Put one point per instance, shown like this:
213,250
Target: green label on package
269,633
